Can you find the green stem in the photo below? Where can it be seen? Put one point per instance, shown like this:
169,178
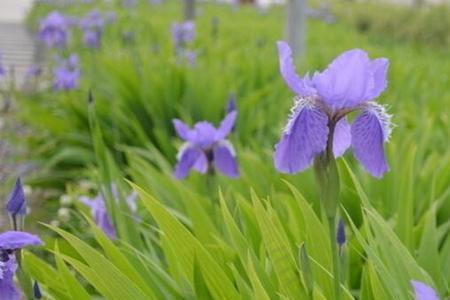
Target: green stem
335,258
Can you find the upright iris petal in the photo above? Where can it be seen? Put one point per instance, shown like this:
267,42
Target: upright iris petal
206,148
423,291
16,204
348,84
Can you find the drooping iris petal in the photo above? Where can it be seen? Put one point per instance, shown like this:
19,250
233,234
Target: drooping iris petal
11,240
8,289
187,159
423,291
346,80
369,132
342,138
226,125
305,137
287,69
182,129
16,204
225,160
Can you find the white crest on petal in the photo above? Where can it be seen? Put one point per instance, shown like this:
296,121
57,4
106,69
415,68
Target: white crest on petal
182,149
380,111
227,144
299,104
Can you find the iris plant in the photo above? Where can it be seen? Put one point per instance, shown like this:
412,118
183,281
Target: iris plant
10,242
318,130
206,148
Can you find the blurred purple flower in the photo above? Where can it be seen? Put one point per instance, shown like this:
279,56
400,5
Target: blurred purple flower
182,33
53,30
100,214
350,83
206,148
110,17
92,38
92,20
423,291
16,204
67,74
10,242
33,71
2,69
191,57
129,3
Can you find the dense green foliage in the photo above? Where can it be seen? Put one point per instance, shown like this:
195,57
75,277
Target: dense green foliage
215,238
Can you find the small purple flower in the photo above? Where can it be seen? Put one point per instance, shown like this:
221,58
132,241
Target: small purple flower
110,17
16,204
100,214
350,83
340,233
423,291
53,30
10,242
92,20
92,38
183,33
2,69
67,74
129,3
206,148
33,71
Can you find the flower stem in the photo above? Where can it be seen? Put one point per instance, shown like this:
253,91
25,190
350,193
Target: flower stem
335,258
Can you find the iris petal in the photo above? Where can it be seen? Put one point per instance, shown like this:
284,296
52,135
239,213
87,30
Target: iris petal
287,69
305,137
182,129
187,160
11,240
225,160
369,132
226,125
342,137
423,291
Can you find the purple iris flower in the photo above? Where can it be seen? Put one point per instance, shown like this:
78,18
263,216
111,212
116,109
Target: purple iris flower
349,83
2,69
100,214
423,291
206,148
92,25
67,74
53,30
182,33
10,242
16,204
